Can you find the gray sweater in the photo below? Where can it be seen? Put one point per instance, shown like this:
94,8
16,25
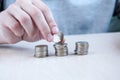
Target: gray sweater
80,16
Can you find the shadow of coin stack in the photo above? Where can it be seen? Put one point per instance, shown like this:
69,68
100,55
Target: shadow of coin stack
82,48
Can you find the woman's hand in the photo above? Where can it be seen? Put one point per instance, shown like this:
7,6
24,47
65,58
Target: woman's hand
29,20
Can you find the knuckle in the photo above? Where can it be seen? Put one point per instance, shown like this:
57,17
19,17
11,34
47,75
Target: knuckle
35,12
44,9
24,19
52,24
19,32
15,26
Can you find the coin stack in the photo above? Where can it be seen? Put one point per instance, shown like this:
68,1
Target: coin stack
41,51
61,49
82,48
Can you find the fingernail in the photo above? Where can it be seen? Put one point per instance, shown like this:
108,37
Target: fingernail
55,30
49,37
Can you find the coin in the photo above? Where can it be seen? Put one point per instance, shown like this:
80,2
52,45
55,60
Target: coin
41,51
58,38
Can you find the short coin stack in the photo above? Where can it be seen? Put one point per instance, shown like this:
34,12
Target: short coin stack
82,48
41,51
61,49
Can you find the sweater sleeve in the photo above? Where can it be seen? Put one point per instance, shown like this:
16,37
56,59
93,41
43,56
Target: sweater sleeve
117,9
1,5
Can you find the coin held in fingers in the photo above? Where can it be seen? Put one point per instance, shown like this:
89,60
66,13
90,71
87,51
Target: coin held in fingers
58,38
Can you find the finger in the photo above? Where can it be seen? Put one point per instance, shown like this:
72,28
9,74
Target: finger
23,18
47,14
37,36
34,38
12,24
39,20
8,36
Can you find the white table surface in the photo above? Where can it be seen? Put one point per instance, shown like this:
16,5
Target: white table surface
102,62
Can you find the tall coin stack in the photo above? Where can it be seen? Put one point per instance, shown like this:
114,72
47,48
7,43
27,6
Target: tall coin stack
82,48
41,51
60,47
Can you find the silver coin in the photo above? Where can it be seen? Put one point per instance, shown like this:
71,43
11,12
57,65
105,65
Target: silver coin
58,37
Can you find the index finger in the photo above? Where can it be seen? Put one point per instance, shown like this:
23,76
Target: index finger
48,15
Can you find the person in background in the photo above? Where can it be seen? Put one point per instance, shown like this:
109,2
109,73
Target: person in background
33,20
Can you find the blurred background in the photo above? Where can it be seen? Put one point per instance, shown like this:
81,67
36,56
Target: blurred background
82,16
